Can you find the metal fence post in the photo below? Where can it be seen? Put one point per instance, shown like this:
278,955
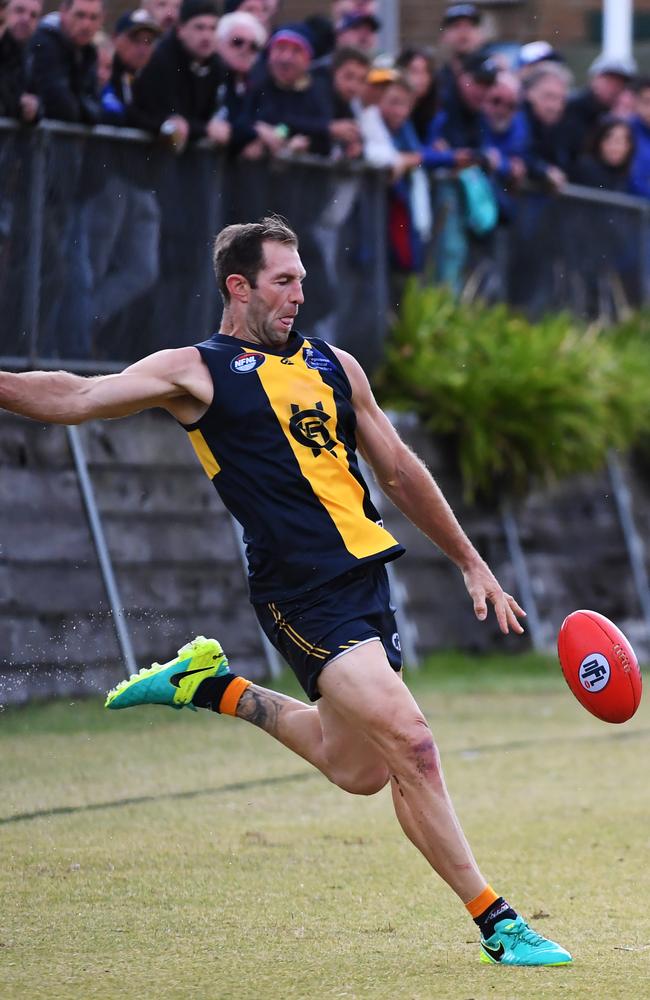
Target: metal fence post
35,222
633,541
103,555
524,582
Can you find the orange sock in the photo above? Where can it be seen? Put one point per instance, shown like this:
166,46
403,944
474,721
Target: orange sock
480,904
232,694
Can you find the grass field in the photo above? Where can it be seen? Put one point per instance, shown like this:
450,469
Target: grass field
151,854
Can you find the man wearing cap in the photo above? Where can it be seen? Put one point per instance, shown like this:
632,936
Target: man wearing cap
176,92
287,106
134,38
455,137
358,31
461,35
532,55
608,78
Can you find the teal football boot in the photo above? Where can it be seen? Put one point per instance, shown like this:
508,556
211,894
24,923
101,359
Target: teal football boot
173,683
515,943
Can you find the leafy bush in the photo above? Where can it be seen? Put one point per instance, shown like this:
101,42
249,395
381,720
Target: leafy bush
522,403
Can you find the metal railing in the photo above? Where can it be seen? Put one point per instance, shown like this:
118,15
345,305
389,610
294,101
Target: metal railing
105,240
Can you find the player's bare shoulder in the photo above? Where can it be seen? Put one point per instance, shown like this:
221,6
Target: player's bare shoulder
356,376
186,370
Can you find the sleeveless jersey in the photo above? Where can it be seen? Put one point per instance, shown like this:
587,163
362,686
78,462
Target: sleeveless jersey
278,442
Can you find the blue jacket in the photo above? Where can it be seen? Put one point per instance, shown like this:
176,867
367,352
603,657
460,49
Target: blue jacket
405,244
515,141
640,172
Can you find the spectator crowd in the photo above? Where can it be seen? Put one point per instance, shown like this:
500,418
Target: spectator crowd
236,77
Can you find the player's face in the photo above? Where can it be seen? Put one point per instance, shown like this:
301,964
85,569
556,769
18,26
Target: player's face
277,296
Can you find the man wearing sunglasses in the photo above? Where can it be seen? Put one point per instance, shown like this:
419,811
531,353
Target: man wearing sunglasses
240,39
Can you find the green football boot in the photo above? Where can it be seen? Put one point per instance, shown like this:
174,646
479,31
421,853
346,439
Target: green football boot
515,943
172,683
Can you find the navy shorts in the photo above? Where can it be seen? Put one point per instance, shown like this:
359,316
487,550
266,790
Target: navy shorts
313,629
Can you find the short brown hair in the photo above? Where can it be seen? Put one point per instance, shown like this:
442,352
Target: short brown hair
348,54
239,249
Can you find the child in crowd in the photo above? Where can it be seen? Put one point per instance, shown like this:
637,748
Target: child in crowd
418,66
607,165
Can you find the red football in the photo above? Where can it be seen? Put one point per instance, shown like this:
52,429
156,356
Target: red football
599,666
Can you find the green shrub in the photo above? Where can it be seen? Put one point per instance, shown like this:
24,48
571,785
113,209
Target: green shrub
522,403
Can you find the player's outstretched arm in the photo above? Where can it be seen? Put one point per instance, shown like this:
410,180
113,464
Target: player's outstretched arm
165,379
411,487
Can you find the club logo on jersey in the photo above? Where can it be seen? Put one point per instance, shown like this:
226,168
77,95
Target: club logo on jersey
396,643
248,362
308,428
594,672
314,359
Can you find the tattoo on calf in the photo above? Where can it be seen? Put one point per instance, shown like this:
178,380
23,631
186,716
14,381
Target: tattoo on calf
261,707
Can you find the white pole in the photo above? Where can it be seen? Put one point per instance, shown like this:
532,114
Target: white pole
389,37
617,28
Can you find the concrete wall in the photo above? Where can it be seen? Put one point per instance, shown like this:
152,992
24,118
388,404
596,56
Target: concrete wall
174,550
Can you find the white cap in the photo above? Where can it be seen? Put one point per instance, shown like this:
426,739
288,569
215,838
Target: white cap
617,65
535,52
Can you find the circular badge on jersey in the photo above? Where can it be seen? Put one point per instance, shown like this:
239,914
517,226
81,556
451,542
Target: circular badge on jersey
248,362
594,672
396,642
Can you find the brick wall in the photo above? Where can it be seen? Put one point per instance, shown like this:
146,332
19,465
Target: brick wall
561,21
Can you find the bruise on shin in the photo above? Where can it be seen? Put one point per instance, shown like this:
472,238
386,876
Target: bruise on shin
427,759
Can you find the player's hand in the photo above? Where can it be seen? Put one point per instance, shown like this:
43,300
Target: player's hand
483,587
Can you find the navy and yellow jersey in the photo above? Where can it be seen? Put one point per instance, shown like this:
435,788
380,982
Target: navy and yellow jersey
279,444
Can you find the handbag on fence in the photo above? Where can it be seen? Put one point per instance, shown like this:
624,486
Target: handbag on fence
482,211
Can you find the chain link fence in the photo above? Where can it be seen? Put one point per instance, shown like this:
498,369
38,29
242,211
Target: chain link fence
585,251
105,244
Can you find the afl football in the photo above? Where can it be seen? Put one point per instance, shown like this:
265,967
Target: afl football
599,666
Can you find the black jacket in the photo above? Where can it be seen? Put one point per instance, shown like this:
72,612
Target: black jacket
304,111
13,75
584,113
64,76
172,83
592,172
550,145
